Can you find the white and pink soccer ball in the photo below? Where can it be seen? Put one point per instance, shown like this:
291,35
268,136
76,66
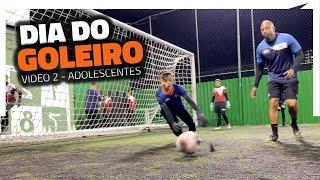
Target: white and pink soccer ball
188,142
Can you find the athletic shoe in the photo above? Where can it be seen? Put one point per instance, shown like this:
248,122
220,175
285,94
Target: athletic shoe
228,126
272,138
296,131
297,134
217,128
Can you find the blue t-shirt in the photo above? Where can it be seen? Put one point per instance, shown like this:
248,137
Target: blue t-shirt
278,56
92,99
173,101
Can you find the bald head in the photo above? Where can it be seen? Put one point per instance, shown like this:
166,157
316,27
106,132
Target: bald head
268,31
267,23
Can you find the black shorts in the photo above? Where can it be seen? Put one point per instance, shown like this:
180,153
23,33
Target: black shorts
288,90
183,114
219,107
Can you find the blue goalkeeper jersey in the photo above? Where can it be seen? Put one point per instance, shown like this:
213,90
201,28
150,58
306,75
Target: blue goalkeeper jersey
92,99
278,56
173,101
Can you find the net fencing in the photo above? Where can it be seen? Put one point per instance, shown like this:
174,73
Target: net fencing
213,37
125,105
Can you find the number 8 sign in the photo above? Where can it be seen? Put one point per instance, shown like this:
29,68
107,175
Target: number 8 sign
26,120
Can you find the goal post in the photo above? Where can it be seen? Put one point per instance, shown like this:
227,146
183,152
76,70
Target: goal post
60,110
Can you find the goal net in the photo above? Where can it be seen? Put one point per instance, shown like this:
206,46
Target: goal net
60,110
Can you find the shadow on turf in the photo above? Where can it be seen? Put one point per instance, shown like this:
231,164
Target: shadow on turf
169,148
63,143
303,150
188,158
149,152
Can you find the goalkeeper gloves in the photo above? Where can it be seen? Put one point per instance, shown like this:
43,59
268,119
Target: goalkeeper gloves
228,105
211,106
176,128
202,120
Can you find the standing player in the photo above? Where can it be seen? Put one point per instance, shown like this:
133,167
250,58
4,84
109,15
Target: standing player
107,111
283,54
169,98
93,97
282,108
11,100
132,107
219,103
106,104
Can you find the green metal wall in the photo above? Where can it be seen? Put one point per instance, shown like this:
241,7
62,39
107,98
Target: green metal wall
247,111
244,110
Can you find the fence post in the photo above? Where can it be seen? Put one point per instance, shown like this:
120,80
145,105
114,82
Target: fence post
150,25
197,39
253,43
239,68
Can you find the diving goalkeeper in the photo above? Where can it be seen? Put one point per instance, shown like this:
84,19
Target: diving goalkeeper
169,98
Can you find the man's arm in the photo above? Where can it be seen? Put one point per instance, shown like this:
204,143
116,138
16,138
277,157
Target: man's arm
259,72
299,58
259,67
298,53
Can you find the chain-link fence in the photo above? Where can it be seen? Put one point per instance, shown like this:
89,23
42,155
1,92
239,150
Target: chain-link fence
221,51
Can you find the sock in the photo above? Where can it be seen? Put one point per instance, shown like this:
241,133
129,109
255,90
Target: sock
274,128
294,124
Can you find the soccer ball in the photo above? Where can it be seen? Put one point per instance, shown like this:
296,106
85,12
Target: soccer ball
188,142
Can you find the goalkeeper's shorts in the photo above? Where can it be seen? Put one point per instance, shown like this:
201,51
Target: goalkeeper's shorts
219,107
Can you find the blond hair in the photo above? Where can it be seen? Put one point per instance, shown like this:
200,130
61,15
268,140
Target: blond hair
164,74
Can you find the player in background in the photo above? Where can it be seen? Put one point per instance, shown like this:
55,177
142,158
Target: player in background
93,98
169,98
283,55
106,104
13,97
106,108
132,105
219,103
282,108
